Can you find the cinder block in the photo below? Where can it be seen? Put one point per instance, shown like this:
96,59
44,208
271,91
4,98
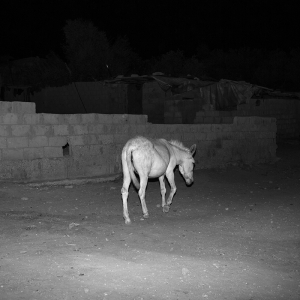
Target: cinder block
31,119
248,134
176,136
120,139
228,143
188,136
108,150
216,127
76,140
17,142
79,129
225,114
42,130
137,119
33,153
208,120
199,120
256,120
104,119
53,152
121,119
141,129
51,119
272,150
92,139
4,130
229,135
60,129
177,119
211,136
241,120
205,128
38,141
97,128
241,113
9,118
227,120
217,120
12,154
168,120
122,129
212,113
264,135
95,149
5,107
109,128
192,128
200,136
200,113
177,114
20,130
226,127
3,142
23,107
72,119
106,139
88,118
58,141
155,129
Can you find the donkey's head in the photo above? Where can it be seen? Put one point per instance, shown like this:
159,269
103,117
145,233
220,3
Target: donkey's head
186,166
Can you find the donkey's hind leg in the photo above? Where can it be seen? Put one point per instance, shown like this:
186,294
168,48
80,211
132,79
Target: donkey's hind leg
142,194
124,192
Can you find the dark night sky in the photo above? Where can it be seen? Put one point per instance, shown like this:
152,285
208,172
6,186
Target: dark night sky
33,28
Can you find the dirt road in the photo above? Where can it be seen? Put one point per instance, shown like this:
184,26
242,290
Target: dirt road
234,234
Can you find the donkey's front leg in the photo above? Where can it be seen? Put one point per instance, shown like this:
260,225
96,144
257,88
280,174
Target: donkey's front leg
163,193
173,189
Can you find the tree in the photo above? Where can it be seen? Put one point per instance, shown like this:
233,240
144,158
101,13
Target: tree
176,64
171,63
122,59
87,50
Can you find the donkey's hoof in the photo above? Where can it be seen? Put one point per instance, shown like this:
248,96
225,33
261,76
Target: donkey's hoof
146,216
127,222
166,208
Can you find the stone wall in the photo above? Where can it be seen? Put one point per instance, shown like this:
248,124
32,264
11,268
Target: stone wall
37,147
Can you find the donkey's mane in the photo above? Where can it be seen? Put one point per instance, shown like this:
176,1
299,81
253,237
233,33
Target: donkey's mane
179,145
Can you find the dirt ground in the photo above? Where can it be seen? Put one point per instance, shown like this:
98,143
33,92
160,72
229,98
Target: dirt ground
234,234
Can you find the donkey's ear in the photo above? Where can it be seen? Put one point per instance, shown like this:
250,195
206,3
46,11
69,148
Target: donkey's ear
193,149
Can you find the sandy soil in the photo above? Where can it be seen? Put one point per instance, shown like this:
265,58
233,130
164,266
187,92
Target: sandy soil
234,234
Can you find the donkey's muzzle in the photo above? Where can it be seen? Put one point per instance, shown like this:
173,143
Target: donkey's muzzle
189,181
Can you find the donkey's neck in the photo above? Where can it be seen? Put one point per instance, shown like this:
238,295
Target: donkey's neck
179,154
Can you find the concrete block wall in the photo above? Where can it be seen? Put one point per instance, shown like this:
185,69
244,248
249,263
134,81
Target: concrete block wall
37,147
286,112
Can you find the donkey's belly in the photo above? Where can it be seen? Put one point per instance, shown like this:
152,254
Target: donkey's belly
157,171
159,163
155,174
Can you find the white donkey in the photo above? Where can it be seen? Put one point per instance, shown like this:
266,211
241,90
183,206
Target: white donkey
151,159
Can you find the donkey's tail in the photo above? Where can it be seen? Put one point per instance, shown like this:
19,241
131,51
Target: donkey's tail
131,168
